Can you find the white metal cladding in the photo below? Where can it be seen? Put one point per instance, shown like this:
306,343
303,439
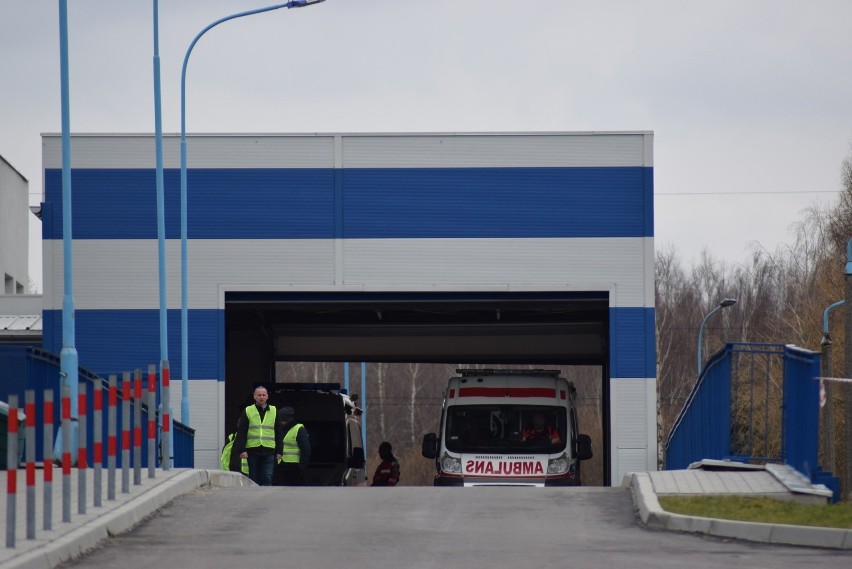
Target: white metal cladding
204,396
615,264
633,405
115,274
450,150
496,151
104,151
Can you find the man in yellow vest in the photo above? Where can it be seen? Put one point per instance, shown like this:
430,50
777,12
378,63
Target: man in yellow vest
296,450
259,438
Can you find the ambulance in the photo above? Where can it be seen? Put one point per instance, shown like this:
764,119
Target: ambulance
505,427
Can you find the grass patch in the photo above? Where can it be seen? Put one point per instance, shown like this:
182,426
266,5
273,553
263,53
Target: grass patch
764,510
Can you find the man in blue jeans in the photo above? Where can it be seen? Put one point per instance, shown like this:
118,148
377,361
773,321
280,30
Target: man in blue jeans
259,437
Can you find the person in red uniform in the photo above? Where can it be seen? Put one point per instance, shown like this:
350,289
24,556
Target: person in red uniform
387,473
540,430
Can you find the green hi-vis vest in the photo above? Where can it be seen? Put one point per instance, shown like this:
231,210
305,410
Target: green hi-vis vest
291,452
260,433
225,461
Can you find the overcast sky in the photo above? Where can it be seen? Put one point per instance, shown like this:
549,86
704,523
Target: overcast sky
750,101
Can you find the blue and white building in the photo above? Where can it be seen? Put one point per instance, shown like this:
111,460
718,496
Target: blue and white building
504,247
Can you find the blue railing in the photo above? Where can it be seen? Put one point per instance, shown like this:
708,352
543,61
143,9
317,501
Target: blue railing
23,367
753,403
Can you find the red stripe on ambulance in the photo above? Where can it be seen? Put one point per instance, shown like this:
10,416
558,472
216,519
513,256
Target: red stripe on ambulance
507,392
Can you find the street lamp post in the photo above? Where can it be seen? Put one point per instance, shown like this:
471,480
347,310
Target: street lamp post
184,340
68,358
724,304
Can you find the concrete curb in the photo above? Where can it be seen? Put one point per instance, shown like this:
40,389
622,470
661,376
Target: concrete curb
123,518
653,515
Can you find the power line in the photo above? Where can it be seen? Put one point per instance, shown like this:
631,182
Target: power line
748,193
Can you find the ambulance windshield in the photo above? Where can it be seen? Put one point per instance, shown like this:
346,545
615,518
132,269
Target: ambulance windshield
505,428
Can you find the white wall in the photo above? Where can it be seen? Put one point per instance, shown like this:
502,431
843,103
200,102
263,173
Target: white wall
14,230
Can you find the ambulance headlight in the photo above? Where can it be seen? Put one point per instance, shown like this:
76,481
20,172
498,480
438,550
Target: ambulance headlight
450,464
557,465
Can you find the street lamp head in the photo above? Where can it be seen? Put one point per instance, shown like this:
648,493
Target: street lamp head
727,302
303,3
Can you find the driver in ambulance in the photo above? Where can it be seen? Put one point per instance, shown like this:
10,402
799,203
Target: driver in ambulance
540,430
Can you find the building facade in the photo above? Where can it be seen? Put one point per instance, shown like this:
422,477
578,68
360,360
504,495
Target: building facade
505,220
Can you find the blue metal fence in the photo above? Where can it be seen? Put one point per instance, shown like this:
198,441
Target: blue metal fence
753,403
24,367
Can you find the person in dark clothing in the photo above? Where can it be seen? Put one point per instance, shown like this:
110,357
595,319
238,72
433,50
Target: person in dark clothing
387,473
296,450
258,438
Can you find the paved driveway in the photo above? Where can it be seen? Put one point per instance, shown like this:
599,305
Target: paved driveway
426,527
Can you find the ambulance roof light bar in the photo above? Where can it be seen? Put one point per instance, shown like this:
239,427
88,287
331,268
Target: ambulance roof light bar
488,371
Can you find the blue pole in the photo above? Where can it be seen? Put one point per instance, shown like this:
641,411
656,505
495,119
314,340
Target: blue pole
701,333
826,312
346,376
161,215
184,320
68,362
363,398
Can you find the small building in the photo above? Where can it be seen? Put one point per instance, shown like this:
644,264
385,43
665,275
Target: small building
14,230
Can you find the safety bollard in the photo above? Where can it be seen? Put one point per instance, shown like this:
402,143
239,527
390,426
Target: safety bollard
152,421
29,422
82,460
111,443
66,453
12,471
166,441
47,450
98,442
137,427
125,433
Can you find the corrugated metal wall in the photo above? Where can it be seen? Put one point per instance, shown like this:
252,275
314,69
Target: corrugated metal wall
401,212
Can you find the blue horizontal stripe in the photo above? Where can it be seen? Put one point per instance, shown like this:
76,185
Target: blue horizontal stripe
359,203
495,202
632,347
221,204
112,341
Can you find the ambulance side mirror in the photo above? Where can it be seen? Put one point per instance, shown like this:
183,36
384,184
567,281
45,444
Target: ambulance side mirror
357,458
584,447
429,448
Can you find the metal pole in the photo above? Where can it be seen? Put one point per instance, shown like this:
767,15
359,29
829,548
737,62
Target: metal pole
152,421
363,398
68,356
166,441
111,435
81,453
847,388
137,427
29,421
125,433
47,449
828,417
701,334
98,440
66,454
161,208
11,471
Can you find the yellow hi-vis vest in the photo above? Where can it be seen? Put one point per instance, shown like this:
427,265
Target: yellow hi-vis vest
291,452
226,456
260,433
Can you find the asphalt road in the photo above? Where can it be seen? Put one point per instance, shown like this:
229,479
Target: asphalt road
318,528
